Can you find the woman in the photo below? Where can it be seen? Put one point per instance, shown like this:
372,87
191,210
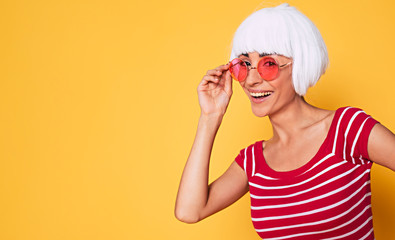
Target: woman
311,180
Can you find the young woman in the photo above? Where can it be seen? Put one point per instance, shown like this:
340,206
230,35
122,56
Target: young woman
311,180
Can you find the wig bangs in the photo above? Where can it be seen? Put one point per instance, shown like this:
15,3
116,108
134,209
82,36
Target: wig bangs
263,33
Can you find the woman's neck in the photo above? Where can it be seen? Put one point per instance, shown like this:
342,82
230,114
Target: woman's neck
289,121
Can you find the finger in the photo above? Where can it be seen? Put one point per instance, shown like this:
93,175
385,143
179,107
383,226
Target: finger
212,78
223,67
209,79
223,75
215,72
218,70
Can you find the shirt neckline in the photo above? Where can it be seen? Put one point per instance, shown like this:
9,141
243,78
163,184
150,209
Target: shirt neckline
268,171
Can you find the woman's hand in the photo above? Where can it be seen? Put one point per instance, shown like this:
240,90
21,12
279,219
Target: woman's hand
215,91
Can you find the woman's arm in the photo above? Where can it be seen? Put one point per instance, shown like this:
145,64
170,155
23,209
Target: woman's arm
381,146
197,200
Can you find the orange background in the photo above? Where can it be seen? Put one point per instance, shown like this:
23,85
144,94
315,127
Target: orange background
98,110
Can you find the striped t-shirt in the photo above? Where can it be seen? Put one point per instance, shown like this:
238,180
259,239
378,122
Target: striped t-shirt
327,198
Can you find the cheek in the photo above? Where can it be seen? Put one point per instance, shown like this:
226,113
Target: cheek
285,85
289,84
243,87
287,79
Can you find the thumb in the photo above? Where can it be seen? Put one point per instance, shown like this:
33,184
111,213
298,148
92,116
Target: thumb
228,83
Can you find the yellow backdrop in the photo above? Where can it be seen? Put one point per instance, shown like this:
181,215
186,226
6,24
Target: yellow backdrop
99,108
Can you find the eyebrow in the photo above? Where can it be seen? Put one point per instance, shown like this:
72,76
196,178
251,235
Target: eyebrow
260,55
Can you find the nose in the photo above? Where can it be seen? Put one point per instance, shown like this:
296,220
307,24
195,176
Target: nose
253,77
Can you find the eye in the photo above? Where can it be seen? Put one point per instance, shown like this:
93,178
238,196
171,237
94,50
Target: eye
247,63
270,63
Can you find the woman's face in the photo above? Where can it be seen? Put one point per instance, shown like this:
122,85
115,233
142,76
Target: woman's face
268,97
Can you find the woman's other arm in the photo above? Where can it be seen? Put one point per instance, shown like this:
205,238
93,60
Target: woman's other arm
381,146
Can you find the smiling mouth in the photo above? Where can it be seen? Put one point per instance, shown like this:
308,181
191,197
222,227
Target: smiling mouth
260,94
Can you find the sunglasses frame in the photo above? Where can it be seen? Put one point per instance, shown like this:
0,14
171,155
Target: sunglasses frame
251,67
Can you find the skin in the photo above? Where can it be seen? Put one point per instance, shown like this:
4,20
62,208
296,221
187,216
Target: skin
291,117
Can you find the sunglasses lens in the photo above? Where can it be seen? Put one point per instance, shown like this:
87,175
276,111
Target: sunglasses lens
238,69
268,68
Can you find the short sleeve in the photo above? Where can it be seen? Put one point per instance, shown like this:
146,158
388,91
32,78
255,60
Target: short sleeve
355,128
246,160
240,159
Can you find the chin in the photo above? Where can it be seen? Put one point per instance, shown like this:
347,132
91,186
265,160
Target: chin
260,112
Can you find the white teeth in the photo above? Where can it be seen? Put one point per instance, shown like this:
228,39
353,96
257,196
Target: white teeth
262,94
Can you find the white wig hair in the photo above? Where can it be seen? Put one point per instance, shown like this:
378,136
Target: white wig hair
285,31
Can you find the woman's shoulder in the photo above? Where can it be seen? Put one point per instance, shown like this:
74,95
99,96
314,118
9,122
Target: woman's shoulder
252,146
353,127
248,156
349,109
350,118
349,113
